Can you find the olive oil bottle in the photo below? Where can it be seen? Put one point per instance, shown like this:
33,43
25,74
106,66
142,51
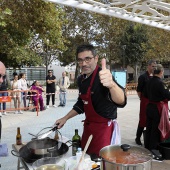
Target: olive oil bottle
76,142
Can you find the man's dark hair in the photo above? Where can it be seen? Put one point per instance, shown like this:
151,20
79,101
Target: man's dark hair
86,47
14,74
151,61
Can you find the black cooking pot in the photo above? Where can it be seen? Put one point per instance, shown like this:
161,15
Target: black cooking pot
29,151
164,149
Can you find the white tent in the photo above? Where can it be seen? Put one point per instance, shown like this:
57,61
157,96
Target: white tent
155,13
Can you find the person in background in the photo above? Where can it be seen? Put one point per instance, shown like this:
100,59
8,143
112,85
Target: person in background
50,88
142,81
2,75
37,94
3,87
157,108
16,94
63,83
99,97
22,84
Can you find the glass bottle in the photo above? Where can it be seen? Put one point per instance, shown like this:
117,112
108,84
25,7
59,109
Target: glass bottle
76,142
78,154
18,137
56,137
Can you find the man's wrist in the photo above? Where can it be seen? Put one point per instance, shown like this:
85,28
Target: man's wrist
112,86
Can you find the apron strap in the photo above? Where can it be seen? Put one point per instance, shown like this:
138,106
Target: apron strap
92,80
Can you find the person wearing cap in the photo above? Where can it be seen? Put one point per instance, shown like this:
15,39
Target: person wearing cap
50,88
142,81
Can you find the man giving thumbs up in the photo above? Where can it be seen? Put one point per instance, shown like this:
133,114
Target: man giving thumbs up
99,97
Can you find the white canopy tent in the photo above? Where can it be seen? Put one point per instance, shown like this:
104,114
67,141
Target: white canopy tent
155,13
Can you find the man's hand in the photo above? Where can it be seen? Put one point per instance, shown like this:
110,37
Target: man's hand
106,76
60,122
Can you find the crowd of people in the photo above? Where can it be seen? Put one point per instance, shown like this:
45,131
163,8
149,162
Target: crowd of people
19,90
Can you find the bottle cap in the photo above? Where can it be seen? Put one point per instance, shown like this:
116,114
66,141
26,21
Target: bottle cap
79,149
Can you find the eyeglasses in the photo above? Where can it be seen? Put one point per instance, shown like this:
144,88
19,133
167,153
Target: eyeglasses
2,76
86,59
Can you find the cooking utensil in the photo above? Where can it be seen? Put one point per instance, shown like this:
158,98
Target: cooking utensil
47,163
43,135
126,157
26,153
84,152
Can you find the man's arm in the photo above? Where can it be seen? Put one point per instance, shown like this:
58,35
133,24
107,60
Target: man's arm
117,93
63,120
68,82
53,81
141,81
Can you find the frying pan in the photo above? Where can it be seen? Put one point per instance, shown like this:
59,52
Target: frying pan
28,156
43,146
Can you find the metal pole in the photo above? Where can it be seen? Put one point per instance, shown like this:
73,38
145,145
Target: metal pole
47,41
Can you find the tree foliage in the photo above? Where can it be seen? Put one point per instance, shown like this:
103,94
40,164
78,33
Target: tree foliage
159,41
135,43
27,19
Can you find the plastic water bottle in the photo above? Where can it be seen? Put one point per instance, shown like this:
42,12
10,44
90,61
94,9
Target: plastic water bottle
78,154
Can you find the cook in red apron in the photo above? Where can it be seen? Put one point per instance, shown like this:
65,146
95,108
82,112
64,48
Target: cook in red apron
101,128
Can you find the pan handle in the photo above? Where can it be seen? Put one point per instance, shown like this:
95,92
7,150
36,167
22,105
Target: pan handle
70,142
15,153
52,149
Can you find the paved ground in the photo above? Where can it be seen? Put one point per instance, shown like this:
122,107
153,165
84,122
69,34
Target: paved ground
30,122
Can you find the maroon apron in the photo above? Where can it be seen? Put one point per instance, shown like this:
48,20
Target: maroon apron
163,125
95,124
142,115
143,104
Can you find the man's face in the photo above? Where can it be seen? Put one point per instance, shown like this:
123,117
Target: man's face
87,62
64,74
2,71
151,67
50,73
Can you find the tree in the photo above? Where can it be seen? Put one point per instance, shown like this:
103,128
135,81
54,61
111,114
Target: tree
108,37
135,43
28,19
160,44
3,14
79,29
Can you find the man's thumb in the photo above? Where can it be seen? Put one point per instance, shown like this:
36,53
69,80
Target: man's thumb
103,62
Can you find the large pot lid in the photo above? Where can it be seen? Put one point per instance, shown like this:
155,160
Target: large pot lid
125,154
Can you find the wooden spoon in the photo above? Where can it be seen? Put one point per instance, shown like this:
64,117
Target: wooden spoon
79,167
